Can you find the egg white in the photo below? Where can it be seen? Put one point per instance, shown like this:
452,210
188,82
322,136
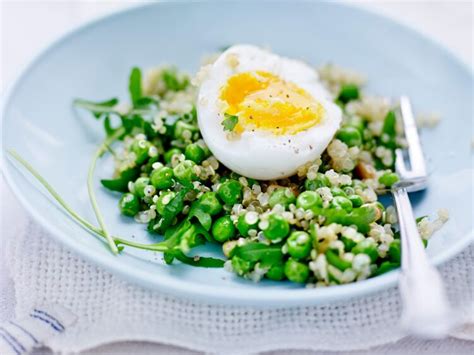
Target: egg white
261,154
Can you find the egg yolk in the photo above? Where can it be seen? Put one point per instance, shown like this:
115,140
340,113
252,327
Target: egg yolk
262,100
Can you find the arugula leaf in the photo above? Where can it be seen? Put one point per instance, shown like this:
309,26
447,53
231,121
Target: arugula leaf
172,209
97,108
135,85
360,217
204,218
187,235
130,122
229,122
253,252
198,261
121,183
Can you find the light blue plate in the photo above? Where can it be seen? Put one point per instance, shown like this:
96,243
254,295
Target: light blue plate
94,61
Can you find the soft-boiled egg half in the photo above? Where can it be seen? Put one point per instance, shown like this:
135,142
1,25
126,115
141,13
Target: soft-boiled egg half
262,115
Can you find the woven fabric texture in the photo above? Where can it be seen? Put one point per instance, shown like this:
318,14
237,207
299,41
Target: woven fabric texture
110,309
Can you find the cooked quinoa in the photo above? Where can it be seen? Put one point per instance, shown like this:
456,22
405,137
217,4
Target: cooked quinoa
268,229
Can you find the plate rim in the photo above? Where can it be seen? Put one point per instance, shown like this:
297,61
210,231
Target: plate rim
174,286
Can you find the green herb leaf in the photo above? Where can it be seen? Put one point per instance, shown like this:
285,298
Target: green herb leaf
229,122
360,217
135,85
253,252
97,108
198,261
121,183
172,209
348,92
109,130
130,122
204,218
146,102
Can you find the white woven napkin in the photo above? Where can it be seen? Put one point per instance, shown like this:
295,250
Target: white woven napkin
95,307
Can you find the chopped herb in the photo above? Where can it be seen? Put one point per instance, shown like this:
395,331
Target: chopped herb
229,122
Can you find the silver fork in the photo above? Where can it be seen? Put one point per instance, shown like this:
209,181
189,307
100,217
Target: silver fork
426,311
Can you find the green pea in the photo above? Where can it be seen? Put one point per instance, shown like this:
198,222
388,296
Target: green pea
282,196
350,135
228,247
394,251
129,204
243,227
241,266
184,172
162,178
140,148
336,191
356,200
278,227
164,199
276,273
309,199
169,154
223,229
366,247
334,259
356,122
181,127
299,244
348,190
348,92
321,180
195,153
342,202
139,186
296,271
359,184
210,204
230,191
388,179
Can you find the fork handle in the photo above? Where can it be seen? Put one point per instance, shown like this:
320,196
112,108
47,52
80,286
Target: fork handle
426,310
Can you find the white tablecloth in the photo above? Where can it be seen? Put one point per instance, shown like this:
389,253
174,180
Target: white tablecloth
29,26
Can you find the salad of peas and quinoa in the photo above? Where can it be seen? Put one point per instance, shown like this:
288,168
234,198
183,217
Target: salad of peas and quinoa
323,225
